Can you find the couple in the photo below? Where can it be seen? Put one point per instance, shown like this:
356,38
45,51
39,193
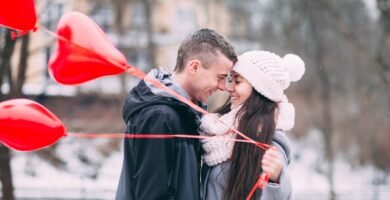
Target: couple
170,168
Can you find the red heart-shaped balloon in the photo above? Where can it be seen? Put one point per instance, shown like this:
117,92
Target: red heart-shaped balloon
26,125
83,51
18,14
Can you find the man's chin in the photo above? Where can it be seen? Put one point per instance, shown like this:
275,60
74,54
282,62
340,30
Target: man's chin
203,99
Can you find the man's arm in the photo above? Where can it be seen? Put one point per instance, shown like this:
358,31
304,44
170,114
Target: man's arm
154,158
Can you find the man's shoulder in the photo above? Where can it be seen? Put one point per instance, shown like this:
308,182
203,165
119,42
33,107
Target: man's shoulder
161,110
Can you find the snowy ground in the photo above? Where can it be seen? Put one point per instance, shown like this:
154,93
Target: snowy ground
309,180
36,179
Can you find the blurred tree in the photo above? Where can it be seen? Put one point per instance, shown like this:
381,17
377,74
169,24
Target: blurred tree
305,28
316,23
22,67
384,43
120,9
348,101
15,91
148,6
124,25
244,17
5,78
382,52
12,80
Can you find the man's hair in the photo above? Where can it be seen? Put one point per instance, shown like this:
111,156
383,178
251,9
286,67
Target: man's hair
205,45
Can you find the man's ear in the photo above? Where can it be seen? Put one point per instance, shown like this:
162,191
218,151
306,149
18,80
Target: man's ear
193,66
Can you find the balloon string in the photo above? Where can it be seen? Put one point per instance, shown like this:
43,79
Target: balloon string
260,183
141,75
158,136
17,33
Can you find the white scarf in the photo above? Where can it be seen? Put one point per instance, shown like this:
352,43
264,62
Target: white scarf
219,147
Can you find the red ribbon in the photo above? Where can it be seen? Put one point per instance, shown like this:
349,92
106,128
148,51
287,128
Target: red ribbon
260,183
141,75
159,136
16,34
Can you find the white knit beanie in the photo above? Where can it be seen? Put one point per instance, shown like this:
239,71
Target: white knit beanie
270,75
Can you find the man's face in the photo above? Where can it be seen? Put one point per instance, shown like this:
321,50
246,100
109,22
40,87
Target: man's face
207,81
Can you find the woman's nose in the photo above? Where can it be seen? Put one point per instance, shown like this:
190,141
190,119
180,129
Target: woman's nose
230,87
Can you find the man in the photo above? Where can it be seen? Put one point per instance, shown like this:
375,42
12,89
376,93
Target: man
169,168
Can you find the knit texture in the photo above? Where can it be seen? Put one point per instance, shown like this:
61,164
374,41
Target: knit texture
218,148
270,75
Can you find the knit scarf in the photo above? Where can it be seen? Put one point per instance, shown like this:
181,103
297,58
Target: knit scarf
219,148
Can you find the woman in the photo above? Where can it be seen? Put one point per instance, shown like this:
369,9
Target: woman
259,109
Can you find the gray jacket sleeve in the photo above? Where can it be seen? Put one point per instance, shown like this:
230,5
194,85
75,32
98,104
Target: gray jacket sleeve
283,189
215,177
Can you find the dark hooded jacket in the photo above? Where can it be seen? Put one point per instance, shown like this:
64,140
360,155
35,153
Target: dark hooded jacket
159,168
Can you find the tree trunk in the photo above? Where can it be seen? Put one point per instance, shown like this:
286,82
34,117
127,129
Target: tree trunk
6,174
383,44
326,124
21,77
383,70
120,7
148,5
6,54
5,164
327,128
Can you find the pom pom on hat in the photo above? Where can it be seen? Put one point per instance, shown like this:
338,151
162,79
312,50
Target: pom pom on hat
295,66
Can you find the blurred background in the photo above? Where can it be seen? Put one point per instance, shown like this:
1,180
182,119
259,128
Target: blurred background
341,141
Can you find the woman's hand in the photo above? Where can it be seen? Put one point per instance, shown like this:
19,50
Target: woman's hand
272,164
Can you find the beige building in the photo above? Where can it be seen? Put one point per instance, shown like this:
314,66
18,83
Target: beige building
172,21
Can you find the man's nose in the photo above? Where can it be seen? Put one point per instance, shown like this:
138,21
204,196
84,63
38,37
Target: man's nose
222,85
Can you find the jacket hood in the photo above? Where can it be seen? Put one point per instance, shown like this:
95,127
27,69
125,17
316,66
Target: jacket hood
141,96
145,94
165,77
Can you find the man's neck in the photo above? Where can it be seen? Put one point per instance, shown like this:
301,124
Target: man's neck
181,80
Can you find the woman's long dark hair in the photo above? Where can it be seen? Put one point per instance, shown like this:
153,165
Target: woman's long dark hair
257,114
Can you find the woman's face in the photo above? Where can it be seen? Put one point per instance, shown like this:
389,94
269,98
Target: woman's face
239,89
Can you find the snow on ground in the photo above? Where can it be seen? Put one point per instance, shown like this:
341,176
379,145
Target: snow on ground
36,179
308,169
